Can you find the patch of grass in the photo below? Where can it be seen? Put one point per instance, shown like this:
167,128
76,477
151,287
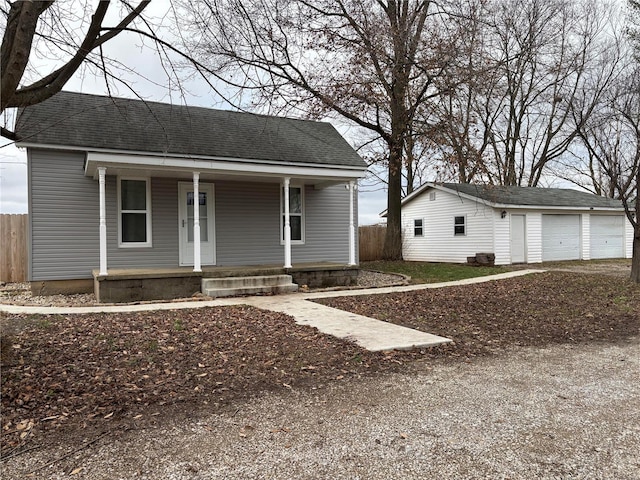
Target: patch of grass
424,272
152,345
44,323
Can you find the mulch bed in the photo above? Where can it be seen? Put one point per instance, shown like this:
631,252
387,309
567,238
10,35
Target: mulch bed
97,372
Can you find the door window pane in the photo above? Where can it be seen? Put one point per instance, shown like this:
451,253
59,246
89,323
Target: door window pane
204,230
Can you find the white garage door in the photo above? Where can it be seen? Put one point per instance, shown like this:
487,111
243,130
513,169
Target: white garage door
607,236
560,237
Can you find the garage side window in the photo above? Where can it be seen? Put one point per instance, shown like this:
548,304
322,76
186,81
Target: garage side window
134,212
418,230
459,225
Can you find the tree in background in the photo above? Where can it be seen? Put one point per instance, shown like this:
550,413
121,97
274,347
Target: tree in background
47,25
375,63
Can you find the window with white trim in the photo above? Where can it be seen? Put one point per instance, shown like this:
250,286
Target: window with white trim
134,212
296,214
418,227
460,225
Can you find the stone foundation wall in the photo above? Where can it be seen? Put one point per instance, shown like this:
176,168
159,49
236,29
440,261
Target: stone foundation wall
116,290
325,278
64,287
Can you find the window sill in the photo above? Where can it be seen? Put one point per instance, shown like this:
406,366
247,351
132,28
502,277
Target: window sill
135,245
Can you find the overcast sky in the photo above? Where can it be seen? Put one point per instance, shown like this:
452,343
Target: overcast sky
152,83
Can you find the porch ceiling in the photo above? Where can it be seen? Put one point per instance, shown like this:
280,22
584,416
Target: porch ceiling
218,169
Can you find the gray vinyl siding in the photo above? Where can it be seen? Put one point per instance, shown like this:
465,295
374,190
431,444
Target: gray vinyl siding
248,225
326,226
64,209
164,228
64,222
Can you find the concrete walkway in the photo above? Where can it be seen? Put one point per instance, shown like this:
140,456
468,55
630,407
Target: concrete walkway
369,333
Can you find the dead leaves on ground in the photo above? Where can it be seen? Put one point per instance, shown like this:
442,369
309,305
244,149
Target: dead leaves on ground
100,369
87,369
535,310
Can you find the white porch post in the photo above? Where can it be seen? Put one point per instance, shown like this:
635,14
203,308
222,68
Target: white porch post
103,221
287,225
352,227
196,223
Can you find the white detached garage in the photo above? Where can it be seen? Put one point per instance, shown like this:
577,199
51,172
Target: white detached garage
449,222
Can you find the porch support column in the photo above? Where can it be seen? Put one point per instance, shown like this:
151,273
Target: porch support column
103,221
287,225
196,223
352,226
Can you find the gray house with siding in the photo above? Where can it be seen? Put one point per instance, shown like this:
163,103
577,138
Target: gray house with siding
120,188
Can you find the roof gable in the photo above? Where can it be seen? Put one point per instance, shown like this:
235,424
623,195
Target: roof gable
99,122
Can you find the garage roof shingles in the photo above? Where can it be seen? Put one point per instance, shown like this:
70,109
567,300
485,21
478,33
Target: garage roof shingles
534,196
99,122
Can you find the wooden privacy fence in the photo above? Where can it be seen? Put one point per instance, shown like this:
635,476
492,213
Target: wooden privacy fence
371,242
13,248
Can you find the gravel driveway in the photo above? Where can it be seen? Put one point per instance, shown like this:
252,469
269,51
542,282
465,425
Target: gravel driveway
568,412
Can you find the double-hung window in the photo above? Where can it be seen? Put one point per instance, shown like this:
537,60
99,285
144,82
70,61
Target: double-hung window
460,225
134,212
296,214
418,227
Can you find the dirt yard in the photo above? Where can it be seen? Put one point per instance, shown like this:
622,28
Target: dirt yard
539,383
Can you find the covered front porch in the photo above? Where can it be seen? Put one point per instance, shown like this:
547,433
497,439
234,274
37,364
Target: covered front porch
216,200
126,285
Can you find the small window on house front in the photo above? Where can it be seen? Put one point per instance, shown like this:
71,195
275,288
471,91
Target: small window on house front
134,212
459,226
432,196
418,230
296,214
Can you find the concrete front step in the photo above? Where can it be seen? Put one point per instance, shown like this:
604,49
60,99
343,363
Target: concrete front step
233,286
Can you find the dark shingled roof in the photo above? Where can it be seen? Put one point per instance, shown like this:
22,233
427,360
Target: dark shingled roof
98,122
534,196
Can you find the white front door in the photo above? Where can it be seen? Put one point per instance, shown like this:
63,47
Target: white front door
518,239
207,223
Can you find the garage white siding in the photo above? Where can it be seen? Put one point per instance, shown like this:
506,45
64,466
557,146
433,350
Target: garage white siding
513,232
439,243
607,236
561,236
628,228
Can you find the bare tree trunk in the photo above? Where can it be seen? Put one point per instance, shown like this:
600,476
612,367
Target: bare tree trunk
635,262
393,240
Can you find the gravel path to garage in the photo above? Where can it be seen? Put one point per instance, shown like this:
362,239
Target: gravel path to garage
569,412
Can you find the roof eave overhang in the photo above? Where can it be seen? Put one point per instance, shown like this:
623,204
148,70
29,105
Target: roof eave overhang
558,207
229,167
325,174
505,206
